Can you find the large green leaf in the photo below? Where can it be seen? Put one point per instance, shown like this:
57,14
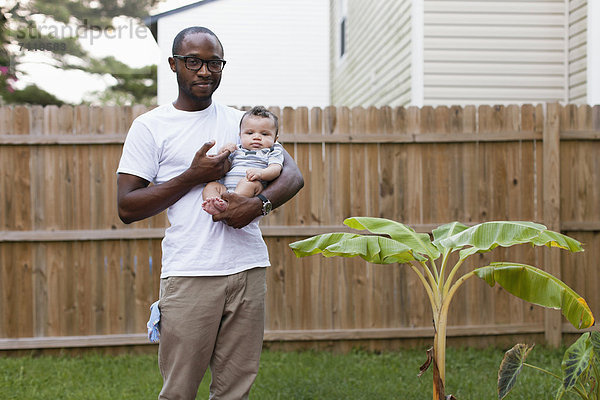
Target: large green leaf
375,249
538,287
316,244
489,235
420,243
595,341
511,367
444,231
576,360
555,239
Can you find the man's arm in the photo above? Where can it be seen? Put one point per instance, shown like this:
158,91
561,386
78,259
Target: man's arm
136,200
243,210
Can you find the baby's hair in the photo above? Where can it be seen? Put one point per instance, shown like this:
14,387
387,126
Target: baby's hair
262,112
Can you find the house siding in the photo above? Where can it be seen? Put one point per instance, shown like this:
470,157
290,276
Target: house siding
276,51
578,51
375,71
495,52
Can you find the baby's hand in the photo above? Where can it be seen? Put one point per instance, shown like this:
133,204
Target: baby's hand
253,174
231,147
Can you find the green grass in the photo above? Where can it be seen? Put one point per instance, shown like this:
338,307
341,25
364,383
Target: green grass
471,374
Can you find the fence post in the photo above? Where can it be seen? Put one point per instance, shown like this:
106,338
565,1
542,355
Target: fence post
551,211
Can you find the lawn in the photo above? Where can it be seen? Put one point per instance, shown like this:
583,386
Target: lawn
471,374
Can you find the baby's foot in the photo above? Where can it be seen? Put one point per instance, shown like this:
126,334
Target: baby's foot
214,205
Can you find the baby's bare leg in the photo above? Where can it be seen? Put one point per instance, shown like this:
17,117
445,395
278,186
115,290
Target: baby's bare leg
213,204
213,189
248,188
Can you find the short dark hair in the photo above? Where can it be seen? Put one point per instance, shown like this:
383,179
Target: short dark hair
189,31
262,112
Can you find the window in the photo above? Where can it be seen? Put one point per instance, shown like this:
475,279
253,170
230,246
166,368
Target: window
343,27
343,37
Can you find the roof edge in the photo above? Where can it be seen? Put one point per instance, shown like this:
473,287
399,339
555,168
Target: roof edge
151,21
153,18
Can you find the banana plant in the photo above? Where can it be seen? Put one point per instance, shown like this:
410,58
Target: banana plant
391,242
580,368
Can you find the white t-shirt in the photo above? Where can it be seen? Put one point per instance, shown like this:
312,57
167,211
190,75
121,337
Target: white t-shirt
161,145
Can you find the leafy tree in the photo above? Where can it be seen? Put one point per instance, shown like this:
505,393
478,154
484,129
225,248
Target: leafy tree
30,92
6,75
55,28
134,85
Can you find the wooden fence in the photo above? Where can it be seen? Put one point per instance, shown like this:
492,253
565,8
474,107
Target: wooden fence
71,274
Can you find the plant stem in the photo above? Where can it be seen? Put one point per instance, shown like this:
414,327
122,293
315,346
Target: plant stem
435,270
428,289
597,377
432,282
581,393
451,276
444,263
432,279
441,322
439,346
543,370
448,296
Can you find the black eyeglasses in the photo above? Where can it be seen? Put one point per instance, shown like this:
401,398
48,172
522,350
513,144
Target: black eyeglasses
194,63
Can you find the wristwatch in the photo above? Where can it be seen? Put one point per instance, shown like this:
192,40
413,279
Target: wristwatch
267,206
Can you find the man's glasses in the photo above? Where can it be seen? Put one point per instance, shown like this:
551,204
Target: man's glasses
194,63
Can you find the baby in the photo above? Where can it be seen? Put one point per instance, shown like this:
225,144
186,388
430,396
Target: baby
255,162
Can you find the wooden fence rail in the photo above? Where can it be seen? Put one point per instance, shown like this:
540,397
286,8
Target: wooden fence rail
72,275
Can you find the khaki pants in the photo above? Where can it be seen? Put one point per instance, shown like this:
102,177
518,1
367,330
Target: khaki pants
215,321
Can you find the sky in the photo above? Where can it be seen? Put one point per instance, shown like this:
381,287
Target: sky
130,43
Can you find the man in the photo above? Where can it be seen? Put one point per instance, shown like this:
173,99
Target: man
213,277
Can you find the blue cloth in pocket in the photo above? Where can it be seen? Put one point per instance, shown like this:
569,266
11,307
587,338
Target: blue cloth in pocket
153,328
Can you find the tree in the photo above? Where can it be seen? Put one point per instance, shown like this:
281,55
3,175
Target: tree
394,242
134,85
6,74
30,92
55,28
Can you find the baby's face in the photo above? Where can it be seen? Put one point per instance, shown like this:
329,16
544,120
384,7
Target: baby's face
257,133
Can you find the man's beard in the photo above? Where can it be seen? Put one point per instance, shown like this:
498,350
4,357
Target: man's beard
188,90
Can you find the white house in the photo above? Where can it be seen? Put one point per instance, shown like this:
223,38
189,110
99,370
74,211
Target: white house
445,52
277,52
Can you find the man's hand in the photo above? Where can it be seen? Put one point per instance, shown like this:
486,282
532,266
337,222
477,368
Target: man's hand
136,200
240,211
206,168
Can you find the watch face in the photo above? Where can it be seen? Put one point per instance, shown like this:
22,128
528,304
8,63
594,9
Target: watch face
267,207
